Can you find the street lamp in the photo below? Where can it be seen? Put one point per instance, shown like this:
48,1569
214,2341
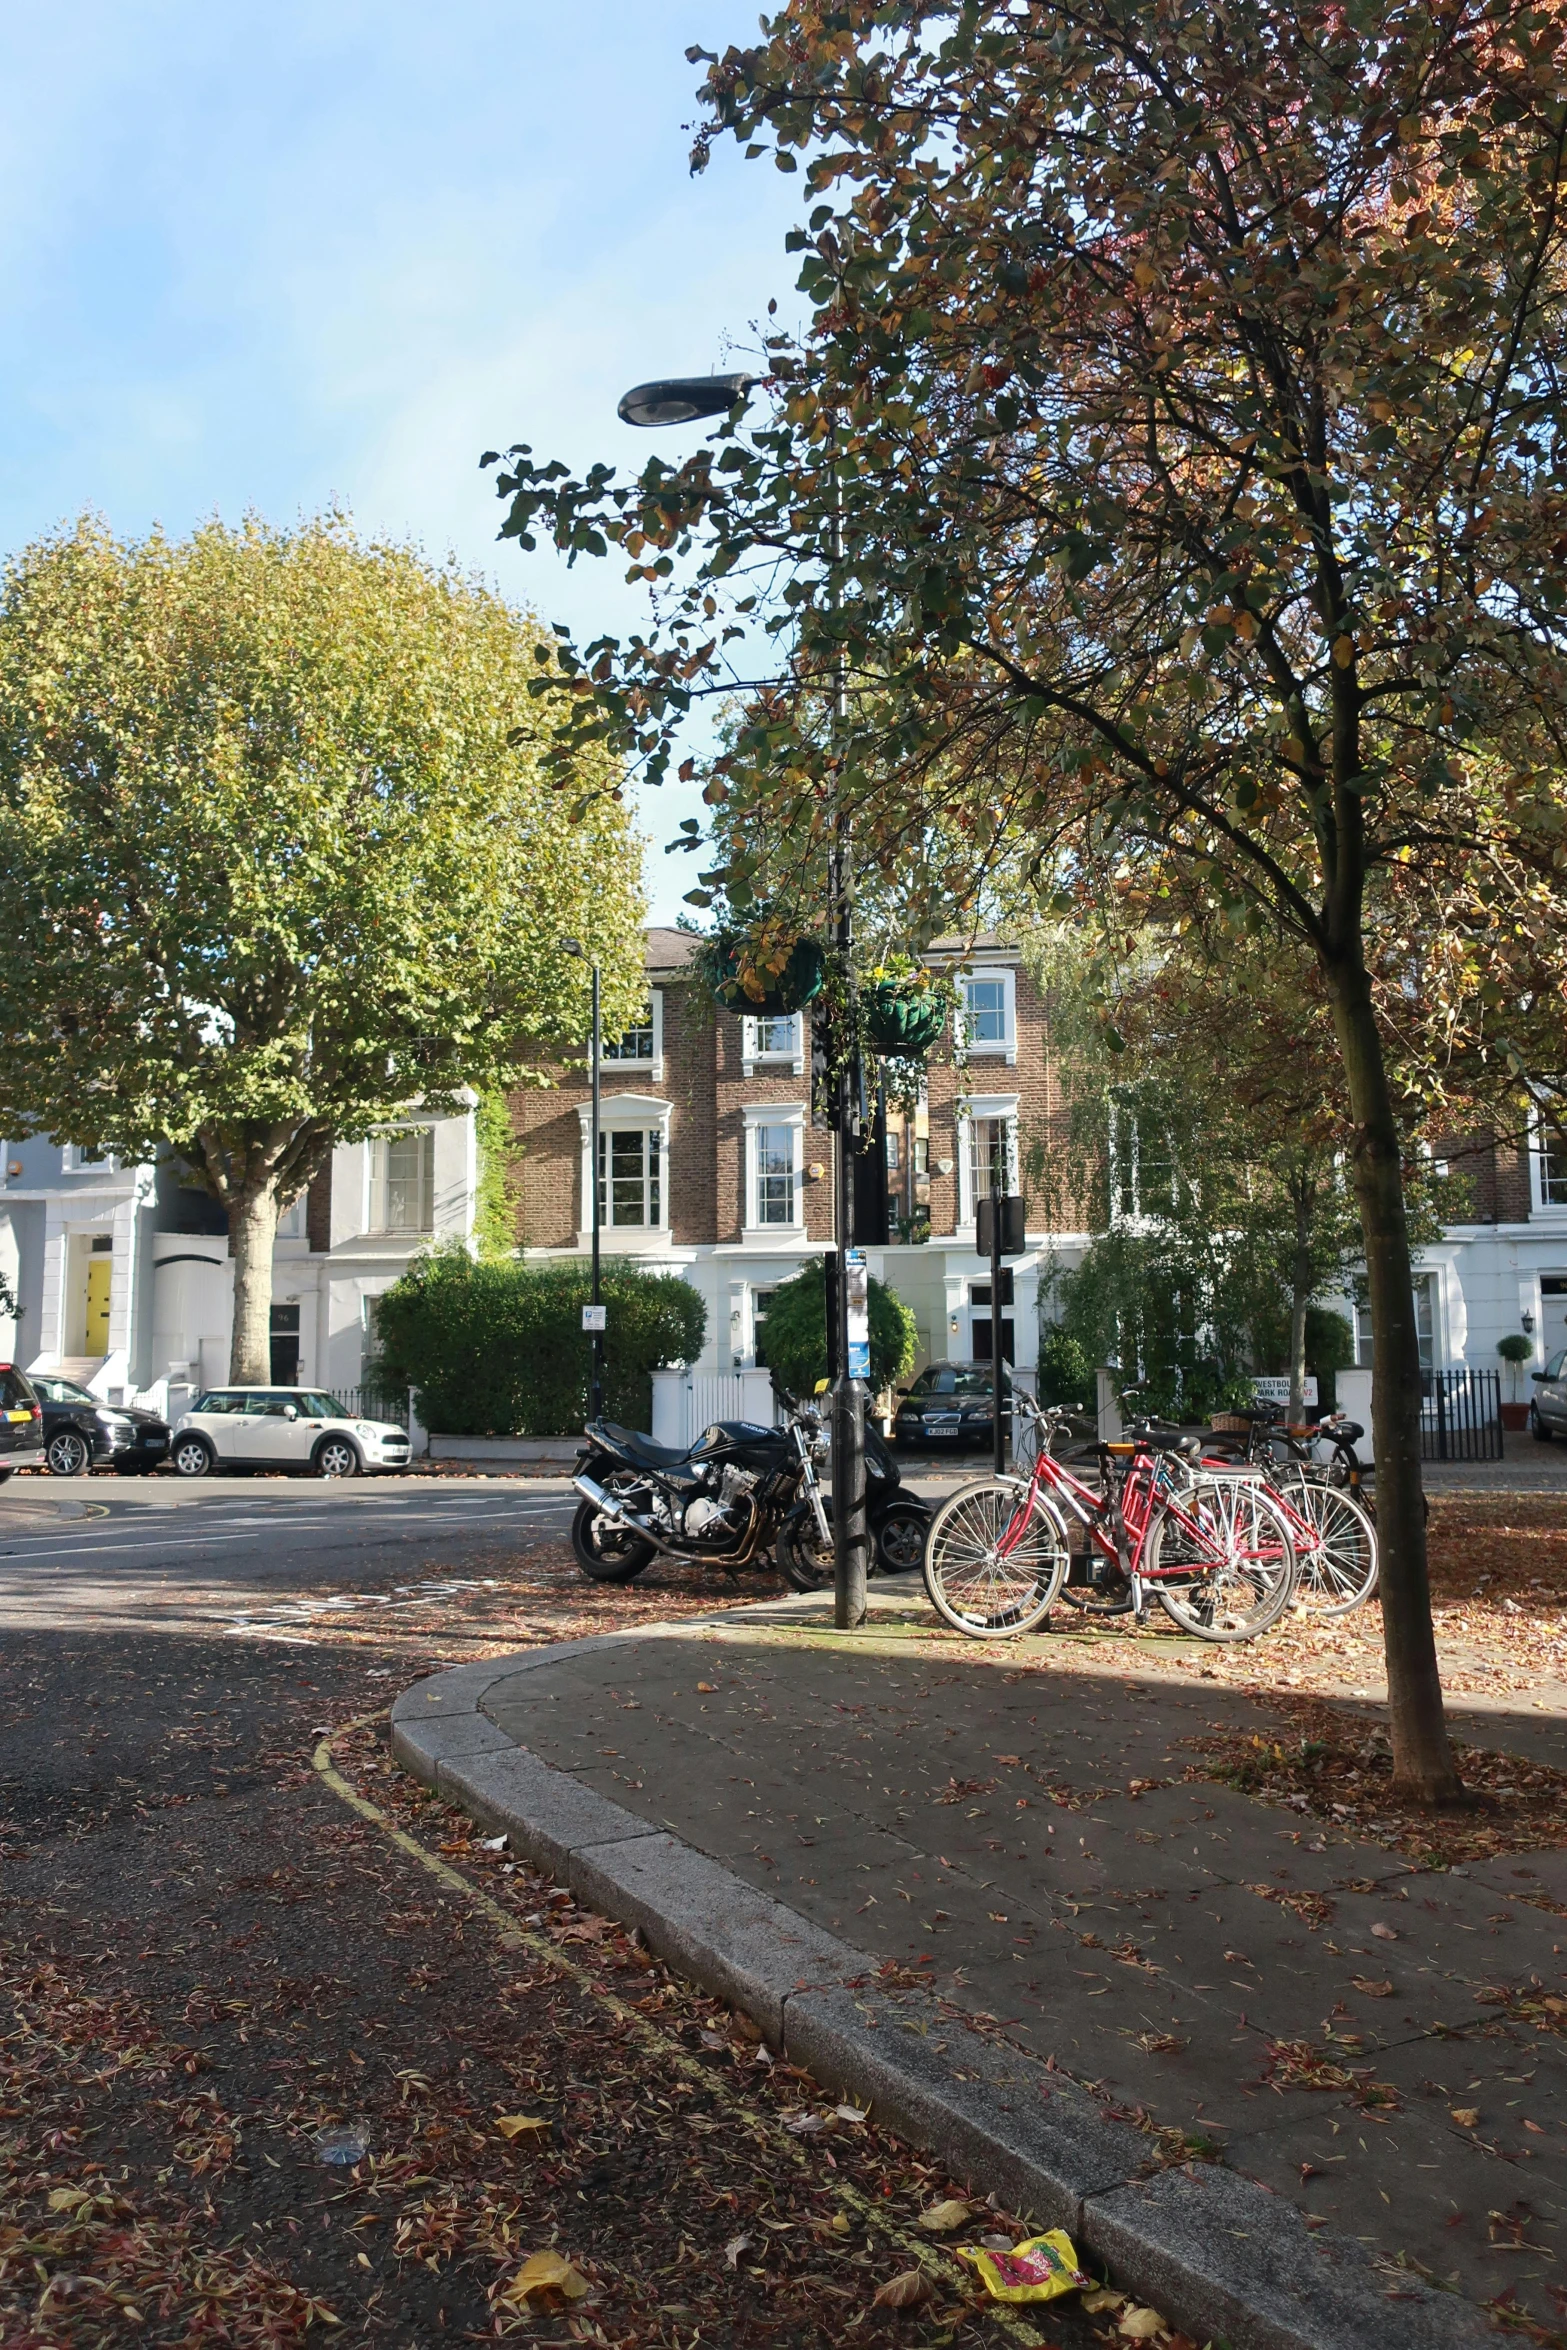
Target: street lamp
574,946
681,400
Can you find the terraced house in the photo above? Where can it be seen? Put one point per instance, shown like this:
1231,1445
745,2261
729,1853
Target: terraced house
711,1163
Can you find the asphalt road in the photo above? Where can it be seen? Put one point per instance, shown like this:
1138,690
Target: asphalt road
153,1555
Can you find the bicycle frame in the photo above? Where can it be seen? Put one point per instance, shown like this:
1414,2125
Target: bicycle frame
1118,1520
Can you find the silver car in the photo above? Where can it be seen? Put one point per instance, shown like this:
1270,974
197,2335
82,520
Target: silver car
1548,1409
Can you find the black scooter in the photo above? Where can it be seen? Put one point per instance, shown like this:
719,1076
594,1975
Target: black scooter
898,1524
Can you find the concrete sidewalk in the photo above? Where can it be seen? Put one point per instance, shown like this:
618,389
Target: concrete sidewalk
964,1833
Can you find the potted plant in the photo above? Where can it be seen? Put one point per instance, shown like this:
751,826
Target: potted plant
762,972
903,1008
1515,1349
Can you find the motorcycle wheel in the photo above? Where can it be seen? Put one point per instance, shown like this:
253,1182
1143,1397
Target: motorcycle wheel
805,1562
900,1538
605,1552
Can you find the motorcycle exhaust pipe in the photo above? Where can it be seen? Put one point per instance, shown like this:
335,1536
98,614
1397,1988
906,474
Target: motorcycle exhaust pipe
608,1507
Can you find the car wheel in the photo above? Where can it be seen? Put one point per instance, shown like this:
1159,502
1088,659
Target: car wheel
1537,1427
900,1538
192,1456
69,1454
335,1457
5,1473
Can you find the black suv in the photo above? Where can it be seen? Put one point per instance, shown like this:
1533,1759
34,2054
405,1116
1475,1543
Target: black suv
21,1436
82,1432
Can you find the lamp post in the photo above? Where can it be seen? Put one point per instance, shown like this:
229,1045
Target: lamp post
681,400
574,946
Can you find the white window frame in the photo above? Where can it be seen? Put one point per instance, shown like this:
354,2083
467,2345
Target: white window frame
75,1159
978,1106
369,1226
639,1112
1539,1205
653,1070
790,1057
757,1115
1004,1047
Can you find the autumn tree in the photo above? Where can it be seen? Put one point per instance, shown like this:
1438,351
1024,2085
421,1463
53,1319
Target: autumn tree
275,859
1178,442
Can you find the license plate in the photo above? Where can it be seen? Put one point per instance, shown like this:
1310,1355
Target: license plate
154,1443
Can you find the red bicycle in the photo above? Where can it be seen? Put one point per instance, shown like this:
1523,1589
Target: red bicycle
1210,1541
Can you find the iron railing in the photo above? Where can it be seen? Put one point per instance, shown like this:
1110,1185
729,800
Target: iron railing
1461,1415
375,1403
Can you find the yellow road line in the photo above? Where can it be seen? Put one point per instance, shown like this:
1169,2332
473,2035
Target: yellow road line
513,1936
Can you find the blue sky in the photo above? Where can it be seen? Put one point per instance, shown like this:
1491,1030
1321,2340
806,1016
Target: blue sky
281,256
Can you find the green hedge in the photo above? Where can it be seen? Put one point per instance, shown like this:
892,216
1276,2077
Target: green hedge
498,1349
796,1337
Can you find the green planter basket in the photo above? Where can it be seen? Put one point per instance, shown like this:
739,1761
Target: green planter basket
799,982
900,1020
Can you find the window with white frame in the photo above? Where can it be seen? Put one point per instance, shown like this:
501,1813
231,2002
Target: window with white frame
1424,1288
987,1151
402,1181
988,1013
1143,1173
773,1039
76,1159
774,1152
631,1178
643,1042
1550,1170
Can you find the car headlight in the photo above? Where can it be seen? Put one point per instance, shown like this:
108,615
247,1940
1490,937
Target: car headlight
116,1423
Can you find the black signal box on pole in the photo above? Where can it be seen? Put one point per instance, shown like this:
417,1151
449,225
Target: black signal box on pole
1009,1241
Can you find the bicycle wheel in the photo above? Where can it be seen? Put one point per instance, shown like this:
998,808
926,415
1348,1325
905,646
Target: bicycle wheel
993,1565
1230,1543
1338,1563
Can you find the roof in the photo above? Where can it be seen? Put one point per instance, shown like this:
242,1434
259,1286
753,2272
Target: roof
668,950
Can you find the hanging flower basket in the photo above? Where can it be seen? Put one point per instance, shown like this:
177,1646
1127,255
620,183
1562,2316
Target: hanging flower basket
767,995
901,1017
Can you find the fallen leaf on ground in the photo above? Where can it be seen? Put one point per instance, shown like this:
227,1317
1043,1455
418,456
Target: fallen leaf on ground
905,2292
1141,2325
515,2125
1372,1990
544,2272
852,2113
1466,2116
1385,1933
733,2249
1104,2297
942,2216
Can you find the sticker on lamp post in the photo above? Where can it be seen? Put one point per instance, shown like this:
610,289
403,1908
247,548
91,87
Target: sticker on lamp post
857,1286
593,1317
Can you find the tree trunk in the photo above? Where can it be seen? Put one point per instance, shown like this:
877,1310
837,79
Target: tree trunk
1301,1286
1423,1766
252,1232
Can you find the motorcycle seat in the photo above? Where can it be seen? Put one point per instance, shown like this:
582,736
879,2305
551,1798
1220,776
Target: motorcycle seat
642,1449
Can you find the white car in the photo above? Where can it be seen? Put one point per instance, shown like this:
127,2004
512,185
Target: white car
282,1428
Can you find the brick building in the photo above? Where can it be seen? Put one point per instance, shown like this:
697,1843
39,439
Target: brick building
711,1164
712,1167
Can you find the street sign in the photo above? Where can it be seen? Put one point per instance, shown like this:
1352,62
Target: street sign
1013,1243
857,1276
1270,1390
594,1317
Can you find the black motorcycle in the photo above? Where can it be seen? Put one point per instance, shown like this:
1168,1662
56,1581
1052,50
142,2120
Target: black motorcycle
719,1503
898,1524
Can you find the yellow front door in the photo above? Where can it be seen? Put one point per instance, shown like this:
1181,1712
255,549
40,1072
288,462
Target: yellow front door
98,1269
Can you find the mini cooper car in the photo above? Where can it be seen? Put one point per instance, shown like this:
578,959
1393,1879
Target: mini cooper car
299,1428
82,1432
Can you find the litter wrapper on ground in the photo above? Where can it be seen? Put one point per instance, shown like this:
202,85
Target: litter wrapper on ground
1041,2269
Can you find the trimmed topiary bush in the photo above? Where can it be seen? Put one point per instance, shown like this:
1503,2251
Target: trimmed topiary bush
797,1333
498,1349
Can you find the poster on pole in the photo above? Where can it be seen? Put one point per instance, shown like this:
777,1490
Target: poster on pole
595,1317
857,1282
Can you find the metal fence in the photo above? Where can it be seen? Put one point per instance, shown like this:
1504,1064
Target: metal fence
1461,1415
376,1403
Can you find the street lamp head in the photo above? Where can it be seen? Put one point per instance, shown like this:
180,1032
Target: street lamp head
681,399
572,946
